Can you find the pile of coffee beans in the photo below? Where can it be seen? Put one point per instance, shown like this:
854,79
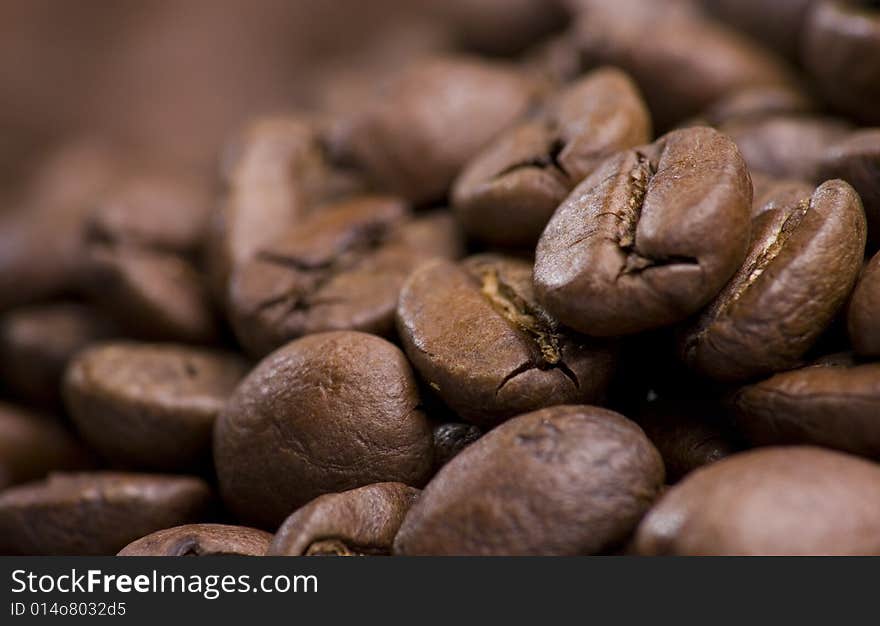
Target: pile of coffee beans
601,277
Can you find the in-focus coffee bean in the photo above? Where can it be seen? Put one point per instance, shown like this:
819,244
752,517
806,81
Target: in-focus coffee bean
834,405
481,342
650,238
797,501
804,259
864,311
568,480
325,413
359,522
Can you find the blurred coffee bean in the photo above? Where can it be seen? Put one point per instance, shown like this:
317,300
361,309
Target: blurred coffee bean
649,238
778,24
786,146
428,121
37,341
841,53
688,434
341,268
201,540
864,311
655,42
274,172
143,240
805,257
96,513
41,251
325,413
831,404
780,501
508,193
566,480
360,522
856,159
33,445
756,103
150,406
479,339
450,438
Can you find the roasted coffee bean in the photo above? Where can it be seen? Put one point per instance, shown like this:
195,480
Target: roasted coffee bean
435,116
142,240
201,540
566,480
508,193
501,27
97,513
275,172
41,251
856,159
37,341
33,445
478,338
687,434
841,52
339,269
650,238
755,103
777,24
834,405
360,522
804,259
150,406
785,146
775,193
795,501
451,438
326,413
655,43
864,311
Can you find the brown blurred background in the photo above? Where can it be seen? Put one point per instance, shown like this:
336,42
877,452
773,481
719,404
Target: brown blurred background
172,79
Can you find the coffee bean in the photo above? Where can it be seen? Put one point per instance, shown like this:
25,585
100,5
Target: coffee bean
508,193
150,406
326,413
37,342
339,269
654,42
804,259
841,52
142,240
687,434
41,251
454,104
786,146
751,104
649,238
863,318
856,159
478,338
32,445
561,481
275,172
201,540
776,194
777,24
360,522
97,513
778,501
832,405
451,438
